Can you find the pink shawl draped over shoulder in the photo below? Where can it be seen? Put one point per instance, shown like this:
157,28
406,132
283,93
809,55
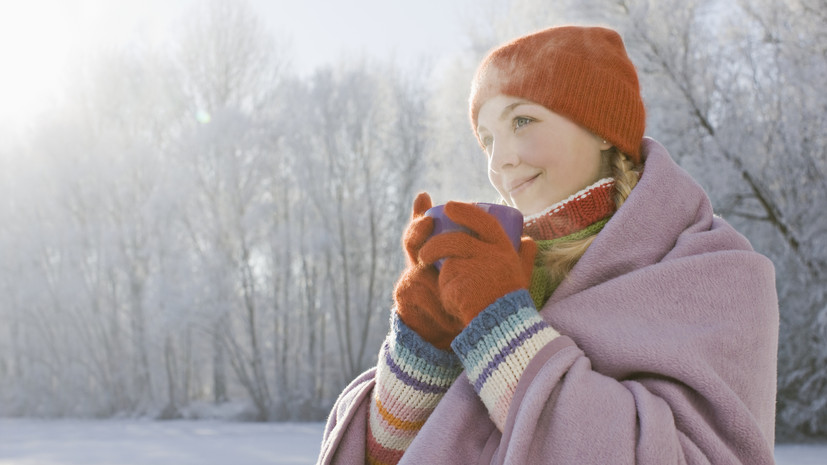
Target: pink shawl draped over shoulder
668,353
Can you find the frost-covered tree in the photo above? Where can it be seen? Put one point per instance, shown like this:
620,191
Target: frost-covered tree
230,69
82,250
747,120
360,148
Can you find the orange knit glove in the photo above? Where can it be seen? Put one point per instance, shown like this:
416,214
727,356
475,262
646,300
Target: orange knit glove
479,268
417,292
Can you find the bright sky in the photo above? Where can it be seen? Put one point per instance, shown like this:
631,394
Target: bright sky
40,38
324,30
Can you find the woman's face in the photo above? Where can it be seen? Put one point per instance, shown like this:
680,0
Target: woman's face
536,157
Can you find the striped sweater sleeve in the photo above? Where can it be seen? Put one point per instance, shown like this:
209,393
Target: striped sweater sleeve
411,378
498,345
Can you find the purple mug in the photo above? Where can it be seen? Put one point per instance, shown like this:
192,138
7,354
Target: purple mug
509,218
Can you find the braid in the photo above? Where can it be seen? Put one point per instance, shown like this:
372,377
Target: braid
561,258
625,174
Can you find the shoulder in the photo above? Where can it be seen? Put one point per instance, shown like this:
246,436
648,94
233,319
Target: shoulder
667,216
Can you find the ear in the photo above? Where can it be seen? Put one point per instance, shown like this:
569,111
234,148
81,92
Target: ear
604,144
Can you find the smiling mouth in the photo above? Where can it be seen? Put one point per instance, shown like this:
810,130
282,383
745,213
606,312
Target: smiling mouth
522,185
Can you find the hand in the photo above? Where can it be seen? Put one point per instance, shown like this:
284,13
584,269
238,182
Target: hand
479,268
417,292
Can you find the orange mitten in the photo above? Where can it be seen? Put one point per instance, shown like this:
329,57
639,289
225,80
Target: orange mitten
417,292
479,268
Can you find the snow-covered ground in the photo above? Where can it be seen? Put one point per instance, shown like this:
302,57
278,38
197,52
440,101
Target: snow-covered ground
137,442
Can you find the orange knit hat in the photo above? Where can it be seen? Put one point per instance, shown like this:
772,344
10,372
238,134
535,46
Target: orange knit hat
582,73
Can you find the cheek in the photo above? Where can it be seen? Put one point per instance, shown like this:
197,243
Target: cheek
537,149
567,153
590,161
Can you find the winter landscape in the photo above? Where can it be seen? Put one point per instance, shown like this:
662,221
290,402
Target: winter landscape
200,223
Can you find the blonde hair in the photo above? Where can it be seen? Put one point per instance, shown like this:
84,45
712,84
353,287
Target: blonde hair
561,257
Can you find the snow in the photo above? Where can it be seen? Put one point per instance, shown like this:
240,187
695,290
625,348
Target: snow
799,454
144,442
138,442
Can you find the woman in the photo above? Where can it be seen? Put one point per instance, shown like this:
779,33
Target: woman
631,326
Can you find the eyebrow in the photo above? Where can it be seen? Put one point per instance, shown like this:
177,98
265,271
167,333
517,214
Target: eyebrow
508,109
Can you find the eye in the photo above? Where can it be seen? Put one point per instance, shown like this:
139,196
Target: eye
520,121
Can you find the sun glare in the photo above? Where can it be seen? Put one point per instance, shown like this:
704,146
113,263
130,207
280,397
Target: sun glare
35,41
40,41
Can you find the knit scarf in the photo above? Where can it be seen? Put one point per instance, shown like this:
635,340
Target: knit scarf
581,215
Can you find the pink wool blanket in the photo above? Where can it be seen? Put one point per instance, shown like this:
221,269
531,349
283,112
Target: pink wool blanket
669,327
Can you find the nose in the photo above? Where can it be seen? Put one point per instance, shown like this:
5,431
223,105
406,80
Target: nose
503,155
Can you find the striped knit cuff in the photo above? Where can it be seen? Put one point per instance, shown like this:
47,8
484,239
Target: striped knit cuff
498,345
411,378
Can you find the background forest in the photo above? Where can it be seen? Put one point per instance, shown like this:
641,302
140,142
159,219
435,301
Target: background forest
199,226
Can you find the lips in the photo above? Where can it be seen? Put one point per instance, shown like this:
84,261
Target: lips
521,184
